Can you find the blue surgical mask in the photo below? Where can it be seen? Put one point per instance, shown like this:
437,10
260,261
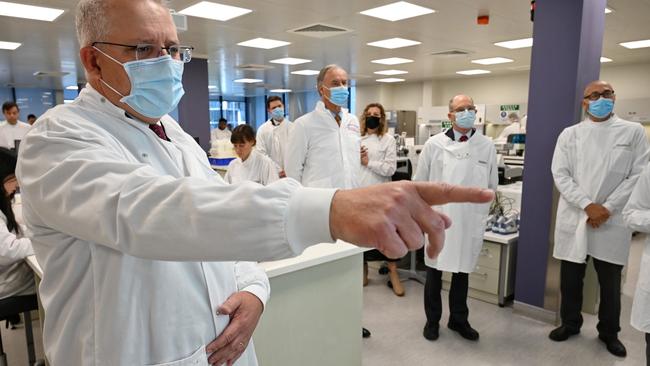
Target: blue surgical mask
278,114
339,95
465,119
601,108
156,85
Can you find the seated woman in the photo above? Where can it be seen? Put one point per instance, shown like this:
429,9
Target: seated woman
16,278
250,165
379,162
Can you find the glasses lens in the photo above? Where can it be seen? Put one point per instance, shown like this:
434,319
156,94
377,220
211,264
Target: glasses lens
186,54
145,51
608,94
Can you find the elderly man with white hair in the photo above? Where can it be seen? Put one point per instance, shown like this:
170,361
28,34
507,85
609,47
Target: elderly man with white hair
143,245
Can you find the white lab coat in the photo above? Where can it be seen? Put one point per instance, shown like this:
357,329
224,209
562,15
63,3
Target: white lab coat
323,154
16,278
257,168
140,240
9,133
382,159
272,140
637,217
596,163
218,134
470,164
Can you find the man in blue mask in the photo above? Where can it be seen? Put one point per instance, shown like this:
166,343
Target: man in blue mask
595,167
272,136
147,254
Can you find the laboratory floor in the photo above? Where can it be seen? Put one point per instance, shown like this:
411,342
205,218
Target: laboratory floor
506,338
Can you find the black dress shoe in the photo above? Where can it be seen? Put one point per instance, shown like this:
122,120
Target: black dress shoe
365,333
431,331
465,330
562,333
614,346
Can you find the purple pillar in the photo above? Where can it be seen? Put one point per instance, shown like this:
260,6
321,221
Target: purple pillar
194,108
568,37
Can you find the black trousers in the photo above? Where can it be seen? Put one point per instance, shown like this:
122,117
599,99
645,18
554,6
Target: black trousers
458,310
571,283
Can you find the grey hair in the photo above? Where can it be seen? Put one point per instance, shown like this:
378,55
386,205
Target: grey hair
323,72
451,101
92,20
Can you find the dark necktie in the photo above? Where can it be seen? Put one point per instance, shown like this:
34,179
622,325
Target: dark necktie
159,130
463,138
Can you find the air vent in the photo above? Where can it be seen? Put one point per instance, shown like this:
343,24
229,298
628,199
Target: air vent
320,30
452,52
254,67
50,74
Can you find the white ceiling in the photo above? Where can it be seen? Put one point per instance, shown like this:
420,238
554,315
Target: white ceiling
53,46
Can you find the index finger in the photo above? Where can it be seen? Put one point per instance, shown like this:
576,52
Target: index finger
441,193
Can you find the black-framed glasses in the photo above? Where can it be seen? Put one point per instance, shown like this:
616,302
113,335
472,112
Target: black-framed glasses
146,51
596,95
470,108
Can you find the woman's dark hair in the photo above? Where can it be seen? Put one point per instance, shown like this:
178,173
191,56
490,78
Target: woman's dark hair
7,171
243,133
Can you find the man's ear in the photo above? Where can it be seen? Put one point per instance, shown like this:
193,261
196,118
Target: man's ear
88,57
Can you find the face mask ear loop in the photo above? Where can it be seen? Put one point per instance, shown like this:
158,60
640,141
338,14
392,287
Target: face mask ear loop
101,79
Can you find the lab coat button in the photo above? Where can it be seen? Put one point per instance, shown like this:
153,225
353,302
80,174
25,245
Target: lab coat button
145,155
103,100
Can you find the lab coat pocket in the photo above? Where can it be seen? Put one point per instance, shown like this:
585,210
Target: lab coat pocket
198,358
480,174
644,273
621,160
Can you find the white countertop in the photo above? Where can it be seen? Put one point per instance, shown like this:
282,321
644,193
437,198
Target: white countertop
222,168
501,239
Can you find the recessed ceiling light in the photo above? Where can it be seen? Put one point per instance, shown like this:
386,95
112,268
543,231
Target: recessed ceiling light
390,80
290,61
280,90
394,43
517,43
473,72
306,72
72,87
29,11
605,59
212,86
397,11
492,61
264,43
248,81
9,45
391,72
608,10
392,61
636,44
210,10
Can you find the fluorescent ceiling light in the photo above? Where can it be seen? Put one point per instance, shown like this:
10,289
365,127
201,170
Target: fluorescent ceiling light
473,72
248,81
72,87
210,10
390,80
397,11
517,43
290,61
9,45
394,43
392,61
280,90
264,43
29,11
636,44
391,72
306,72
492,61
608,10
605,59
212,86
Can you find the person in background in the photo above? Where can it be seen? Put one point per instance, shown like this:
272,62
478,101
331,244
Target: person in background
107,181
11,129
272,136
637,217
514,127
16,278
251,165
222,132
595,166
31,119
463,157
378,164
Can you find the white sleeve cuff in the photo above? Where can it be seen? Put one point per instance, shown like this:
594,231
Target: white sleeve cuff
308,218
259,291
584,203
